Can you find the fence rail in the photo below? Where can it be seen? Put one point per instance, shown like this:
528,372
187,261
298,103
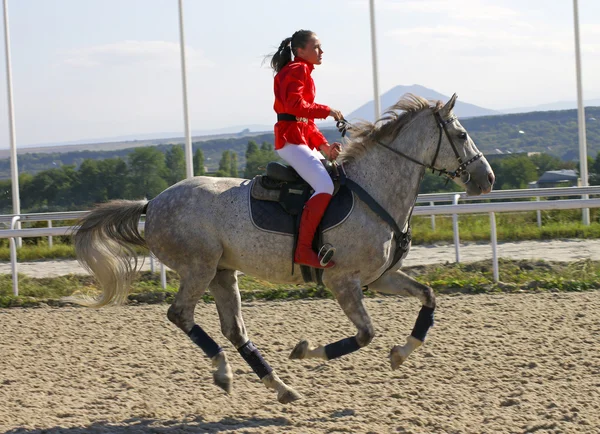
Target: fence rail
456,208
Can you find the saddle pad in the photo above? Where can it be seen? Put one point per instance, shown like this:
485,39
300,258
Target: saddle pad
271,217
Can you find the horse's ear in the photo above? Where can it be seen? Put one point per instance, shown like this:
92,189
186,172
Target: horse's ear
445,111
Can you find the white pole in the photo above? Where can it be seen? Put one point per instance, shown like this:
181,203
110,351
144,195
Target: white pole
376,98
163,276
50,237
189,164
14,169
494,247
14,224
455,229
432,218
581,115
13,266
539,214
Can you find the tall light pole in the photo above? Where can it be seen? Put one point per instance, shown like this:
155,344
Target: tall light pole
14,169
189,164
583,171
376,98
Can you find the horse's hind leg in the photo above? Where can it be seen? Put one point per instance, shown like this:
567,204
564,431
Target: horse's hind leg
224,288
398,283
350,298
181,313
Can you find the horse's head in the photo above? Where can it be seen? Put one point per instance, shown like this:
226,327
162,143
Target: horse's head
458,155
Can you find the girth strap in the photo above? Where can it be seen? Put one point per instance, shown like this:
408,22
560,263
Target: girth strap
401,238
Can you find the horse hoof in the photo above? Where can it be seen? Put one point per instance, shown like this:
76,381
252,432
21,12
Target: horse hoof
223,376
397,357
287,396
223,381
299,351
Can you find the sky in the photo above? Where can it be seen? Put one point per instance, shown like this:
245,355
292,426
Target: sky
86,69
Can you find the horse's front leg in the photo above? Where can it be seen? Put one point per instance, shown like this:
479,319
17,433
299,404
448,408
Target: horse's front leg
398,283
350,297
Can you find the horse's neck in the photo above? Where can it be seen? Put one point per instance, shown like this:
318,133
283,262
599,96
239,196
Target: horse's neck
392,180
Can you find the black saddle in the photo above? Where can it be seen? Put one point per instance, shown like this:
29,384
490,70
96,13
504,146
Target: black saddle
282,193
277,200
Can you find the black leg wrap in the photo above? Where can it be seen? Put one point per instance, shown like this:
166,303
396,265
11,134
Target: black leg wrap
423,323
200,338
253,357
341,348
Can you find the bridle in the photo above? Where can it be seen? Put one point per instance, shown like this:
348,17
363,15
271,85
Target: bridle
343,126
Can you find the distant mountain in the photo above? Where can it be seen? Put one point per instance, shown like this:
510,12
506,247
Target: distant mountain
559,105
391,97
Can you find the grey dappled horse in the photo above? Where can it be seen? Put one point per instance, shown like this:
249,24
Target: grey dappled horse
201,228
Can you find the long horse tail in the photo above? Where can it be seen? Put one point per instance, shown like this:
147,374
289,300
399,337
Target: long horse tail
104,245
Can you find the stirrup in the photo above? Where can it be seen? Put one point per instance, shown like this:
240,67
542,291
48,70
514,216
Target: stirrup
325,254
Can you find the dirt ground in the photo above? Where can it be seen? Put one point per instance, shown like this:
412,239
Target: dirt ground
508,363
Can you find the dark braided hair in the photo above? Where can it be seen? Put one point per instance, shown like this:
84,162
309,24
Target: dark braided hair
283,56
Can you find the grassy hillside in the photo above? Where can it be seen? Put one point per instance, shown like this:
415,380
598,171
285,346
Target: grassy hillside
553,132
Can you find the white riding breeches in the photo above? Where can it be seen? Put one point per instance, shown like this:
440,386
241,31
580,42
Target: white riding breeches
307,162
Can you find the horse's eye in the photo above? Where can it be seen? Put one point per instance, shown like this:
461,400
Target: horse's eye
462,136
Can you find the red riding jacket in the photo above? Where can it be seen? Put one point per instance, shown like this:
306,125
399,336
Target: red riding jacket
295,95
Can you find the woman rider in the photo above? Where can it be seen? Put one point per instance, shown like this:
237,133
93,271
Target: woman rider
297,138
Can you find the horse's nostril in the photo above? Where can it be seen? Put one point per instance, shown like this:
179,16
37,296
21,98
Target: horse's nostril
491,178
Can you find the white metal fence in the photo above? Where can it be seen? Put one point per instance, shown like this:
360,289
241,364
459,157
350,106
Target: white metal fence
453,209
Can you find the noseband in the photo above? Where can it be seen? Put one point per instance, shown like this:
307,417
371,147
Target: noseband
343,126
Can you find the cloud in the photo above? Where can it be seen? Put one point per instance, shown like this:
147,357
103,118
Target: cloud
456,9
125,53
494,40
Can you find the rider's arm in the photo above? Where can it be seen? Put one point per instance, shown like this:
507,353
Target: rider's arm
295,103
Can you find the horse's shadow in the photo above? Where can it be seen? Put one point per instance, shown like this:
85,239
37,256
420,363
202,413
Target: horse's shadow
158,426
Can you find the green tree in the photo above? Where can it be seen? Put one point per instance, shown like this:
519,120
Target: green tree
224,165
251,149
257,161
546,162
514,172
199,163
114,174
175,165
52,189
146,165
233,168
88,190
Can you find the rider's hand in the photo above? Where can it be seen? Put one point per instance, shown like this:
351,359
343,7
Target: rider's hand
331,151
336,114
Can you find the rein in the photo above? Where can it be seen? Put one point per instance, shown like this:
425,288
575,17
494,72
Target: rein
402,238
343,126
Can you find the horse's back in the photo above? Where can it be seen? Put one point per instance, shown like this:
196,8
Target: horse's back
194,213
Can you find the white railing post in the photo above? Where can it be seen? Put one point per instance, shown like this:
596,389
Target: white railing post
163,276
50,244
455,229
539,214
151,263
432,217
13,256
494,246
